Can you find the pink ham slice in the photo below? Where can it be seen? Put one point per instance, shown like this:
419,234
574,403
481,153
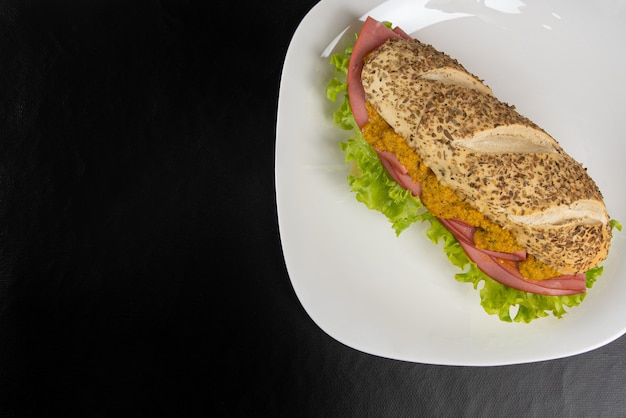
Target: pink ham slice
399,172
501,267
507,272
373,34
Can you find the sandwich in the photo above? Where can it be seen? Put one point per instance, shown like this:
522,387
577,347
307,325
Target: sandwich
433,143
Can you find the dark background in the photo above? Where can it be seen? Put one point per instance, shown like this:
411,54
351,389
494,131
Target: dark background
141,271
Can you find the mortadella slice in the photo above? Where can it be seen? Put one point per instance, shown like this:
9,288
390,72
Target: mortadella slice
373,34
507,272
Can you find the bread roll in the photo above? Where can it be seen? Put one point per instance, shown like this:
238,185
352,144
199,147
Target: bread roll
497,160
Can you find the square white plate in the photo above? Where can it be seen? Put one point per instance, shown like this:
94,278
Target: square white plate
561,64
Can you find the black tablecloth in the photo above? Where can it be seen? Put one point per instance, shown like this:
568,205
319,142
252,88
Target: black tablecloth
141,270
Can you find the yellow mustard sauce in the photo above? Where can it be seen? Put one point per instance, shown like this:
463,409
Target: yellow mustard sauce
534,269
443,202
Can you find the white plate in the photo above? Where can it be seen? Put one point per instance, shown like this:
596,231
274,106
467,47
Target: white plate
561,63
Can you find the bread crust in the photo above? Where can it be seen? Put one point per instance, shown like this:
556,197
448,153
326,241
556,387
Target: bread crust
496,159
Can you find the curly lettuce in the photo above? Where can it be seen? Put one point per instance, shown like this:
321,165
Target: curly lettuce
374,187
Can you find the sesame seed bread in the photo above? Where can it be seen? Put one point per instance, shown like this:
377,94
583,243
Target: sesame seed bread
497,160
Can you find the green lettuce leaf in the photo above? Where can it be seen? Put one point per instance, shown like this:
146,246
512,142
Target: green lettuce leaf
374,187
